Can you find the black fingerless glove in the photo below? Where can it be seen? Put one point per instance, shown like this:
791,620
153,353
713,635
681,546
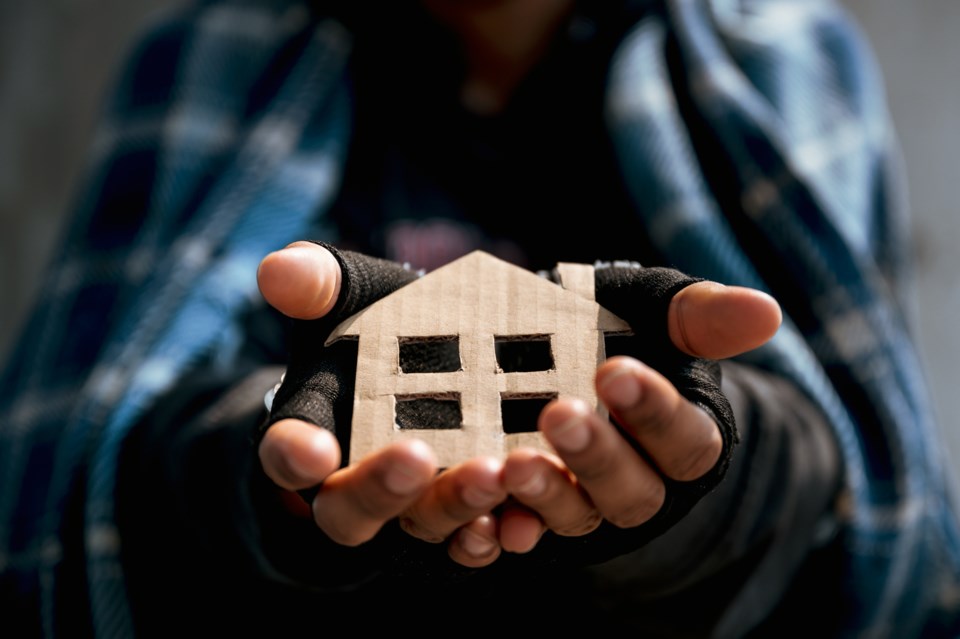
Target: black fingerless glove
318,383
318,388
641,297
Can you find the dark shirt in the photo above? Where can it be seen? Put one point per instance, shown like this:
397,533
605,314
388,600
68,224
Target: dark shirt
427,180
446,182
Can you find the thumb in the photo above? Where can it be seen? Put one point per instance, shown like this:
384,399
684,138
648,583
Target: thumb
302,280
713,321
297,455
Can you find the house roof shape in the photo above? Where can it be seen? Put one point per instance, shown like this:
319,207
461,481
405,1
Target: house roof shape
475,302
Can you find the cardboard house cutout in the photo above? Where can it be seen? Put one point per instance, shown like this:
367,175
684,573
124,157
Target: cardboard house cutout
505,341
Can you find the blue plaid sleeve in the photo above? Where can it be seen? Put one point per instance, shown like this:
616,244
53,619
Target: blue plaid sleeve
220,142
756,147
755,139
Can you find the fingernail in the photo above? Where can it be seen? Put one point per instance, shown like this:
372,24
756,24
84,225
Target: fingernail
620,388
402,480
572,435
533,487
477,497
475,545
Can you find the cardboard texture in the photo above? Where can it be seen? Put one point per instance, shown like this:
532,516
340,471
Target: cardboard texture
470,304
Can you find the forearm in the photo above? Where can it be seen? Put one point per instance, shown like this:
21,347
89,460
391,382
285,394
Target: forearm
199,521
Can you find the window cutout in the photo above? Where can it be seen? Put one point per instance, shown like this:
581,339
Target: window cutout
430,354
519,413
523,353
429,413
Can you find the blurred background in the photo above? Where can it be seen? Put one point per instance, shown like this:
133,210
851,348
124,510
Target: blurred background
58,56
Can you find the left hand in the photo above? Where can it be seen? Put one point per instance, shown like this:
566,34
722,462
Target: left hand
594,477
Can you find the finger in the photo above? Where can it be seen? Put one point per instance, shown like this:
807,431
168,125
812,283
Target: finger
475,545
301,280
459,495
297,455
543,484
355,502
713,321
625,489
520,528
678,435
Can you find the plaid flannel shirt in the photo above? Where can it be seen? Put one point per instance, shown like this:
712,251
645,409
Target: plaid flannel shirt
226,138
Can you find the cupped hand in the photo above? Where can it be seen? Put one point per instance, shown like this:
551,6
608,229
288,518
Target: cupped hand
594,476
303,281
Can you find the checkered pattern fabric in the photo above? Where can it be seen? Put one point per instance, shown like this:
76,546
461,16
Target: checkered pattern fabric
756,145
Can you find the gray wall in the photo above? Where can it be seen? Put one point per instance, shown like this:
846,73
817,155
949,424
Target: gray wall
917,46
56,57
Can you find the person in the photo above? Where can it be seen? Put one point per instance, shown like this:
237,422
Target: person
740,151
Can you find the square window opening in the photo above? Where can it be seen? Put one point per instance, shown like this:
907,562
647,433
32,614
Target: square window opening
519,413
430,354
524,353
429,413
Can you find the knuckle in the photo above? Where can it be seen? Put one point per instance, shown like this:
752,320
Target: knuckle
583,525
601,464
454,511
698,461
413,528
639,511
655,416
344,535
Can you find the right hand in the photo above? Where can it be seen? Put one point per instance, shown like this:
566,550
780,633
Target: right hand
304,282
